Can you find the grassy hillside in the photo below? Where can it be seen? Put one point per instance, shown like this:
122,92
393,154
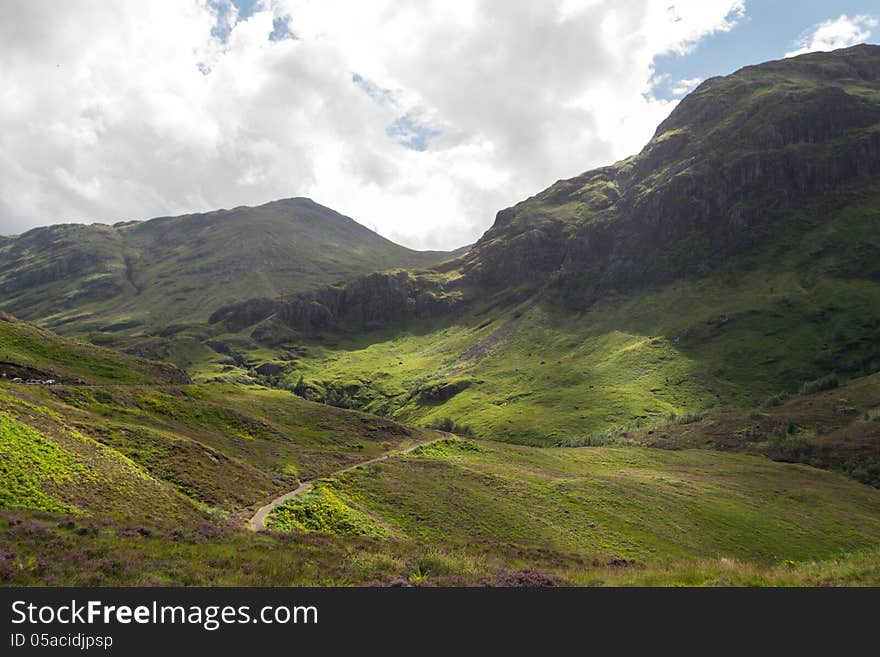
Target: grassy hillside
140,276
767,322
224,447
129,485
470,512
152,483
29,352
629,503
735,258
47,464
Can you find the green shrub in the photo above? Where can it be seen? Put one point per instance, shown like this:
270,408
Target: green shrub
776,400
867,473
451,426
324,511
300,389
750,431
375,564
829,382
688,418
446,448
613,436
437,563
790,442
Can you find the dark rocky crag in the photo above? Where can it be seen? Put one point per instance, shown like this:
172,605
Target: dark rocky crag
365,303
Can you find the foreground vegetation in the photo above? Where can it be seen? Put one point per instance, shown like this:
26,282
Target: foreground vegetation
152,482
43,549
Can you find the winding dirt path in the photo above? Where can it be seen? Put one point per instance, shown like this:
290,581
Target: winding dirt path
258,521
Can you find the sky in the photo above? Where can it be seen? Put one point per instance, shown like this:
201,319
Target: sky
418,119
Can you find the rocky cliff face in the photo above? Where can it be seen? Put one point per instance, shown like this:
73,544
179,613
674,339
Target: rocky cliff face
733,156
368,302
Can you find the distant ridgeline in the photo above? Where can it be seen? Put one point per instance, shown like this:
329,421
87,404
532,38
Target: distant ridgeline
141,276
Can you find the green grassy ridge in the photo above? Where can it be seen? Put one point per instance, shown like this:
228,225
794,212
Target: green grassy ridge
834,428
223,446
144,276
652,506
49,464
27,350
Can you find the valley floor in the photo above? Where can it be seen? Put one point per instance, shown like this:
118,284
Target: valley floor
133,477
451,511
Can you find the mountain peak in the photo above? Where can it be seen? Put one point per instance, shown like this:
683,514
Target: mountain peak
716,98
734,155
182,268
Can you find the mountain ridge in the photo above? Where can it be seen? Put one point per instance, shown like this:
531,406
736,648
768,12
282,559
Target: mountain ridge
76,277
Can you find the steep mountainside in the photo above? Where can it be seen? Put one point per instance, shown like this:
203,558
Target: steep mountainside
177,270
735,257
735,157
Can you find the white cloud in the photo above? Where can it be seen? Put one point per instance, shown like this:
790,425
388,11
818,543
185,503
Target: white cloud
106,112
840,32
685,86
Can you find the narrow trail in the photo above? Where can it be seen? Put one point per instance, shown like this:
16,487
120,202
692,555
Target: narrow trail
258,521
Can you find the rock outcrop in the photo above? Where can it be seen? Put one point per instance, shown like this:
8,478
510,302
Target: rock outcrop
368,302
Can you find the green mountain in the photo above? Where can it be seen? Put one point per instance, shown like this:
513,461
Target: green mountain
137,276
735,258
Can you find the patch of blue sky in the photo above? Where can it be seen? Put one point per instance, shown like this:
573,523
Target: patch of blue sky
223,27
246,8
411,133
769,29
408,130
281,29
231,12
379,94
